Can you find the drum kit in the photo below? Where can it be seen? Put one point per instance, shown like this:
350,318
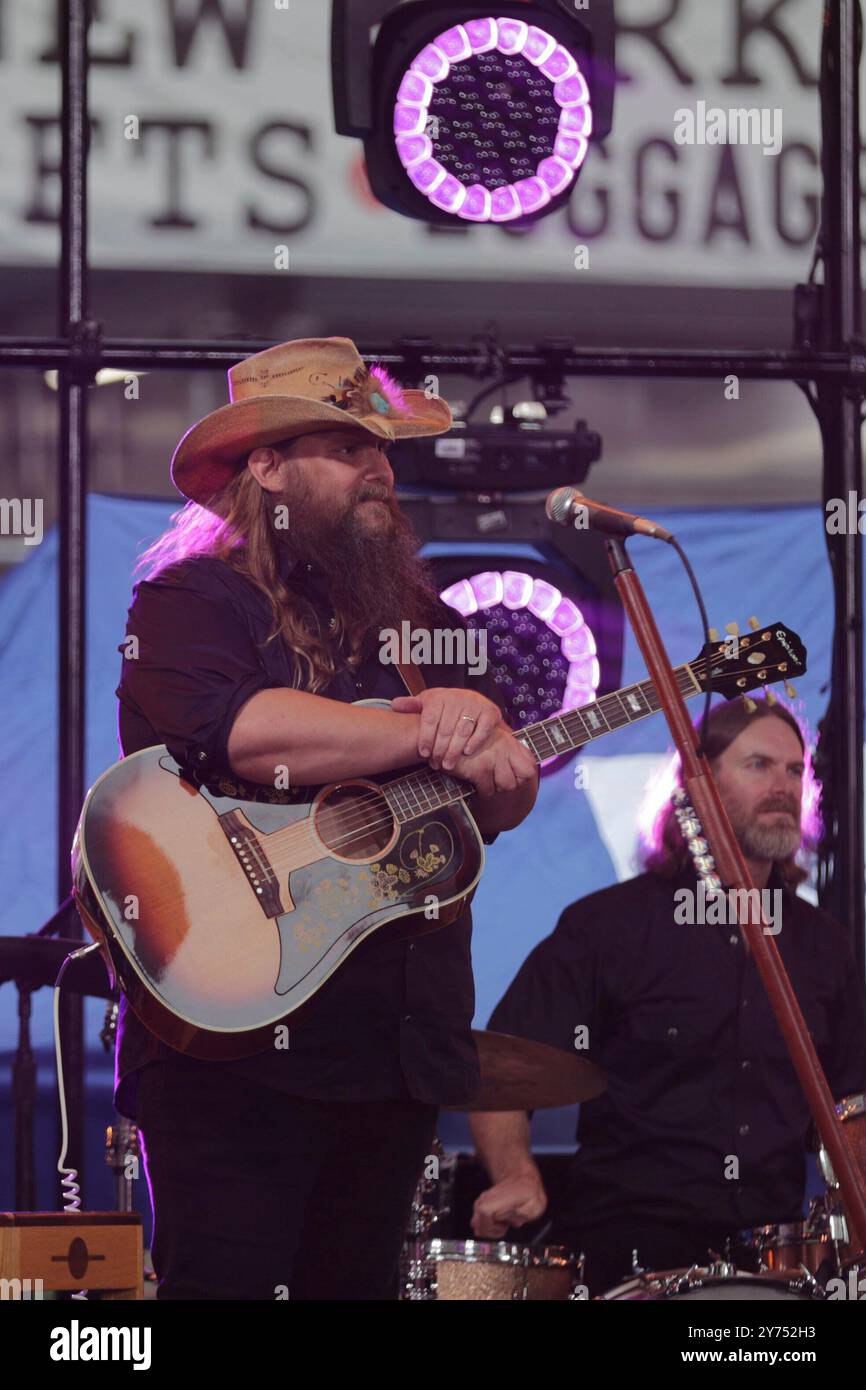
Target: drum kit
815,1259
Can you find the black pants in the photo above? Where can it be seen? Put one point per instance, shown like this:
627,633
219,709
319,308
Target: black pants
660,1246
260,1195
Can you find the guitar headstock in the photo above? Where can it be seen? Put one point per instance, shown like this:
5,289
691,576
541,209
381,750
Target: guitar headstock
741,662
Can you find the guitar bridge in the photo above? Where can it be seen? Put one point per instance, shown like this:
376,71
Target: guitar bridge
253,861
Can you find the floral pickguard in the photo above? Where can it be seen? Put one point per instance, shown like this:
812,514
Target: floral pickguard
422,853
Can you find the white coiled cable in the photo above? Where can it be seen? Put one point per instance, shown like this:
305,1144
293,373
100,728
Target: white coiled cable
68,1176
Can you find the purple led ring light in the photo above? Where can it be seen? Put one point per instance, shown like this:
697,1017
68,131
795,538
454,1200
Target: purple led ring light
433,64
516,590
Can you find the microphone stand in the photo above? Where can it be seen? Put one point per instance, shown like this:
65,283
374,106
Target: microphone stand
731,867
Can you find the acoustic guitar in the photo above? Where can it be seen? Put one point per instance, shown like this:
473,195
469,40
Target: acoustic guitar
222,909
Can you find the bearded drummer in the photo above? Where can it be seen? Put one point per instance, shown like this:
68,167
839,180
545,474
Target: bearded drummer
703,1129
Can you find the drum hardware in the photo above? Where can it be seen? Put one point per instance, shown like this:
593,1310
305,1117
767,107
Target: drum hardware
716,1281
108,1031
578,1288
719,1268
122,1155
811,1245
851,1111
430,1203
516,1074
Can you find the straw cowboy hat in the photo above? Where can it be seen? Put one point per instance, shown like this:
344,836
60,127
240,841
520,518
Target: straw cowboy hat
301,387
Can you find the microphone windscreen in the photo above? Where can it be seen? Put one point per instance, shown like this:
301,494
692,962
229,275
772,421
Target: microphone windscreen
558,503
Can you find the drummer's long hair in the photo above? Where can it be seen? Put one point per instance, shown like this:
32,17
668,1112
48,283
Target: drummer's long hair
665,852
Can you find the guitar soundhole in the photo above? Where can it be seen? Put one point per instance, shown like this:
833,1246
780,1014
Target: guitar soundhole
354,822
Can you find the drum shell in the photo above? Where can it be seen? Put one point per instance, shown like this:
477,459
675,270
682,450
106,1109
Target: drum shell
792,1246
494,1271
702,1284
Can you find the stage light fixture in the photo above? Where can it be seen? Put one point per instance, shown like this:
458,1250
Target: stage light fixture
474,113
539,646
503,458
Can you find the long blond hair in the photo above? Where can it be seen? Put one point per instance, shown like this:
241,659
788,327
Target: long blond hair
238,527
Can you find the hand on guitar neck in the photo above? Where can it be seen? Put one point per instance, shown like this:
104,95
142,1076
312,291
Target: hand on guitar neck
322,740
463,733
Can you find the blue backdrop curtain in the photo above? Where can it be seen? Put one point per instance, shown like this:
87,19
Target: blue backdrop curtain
766,561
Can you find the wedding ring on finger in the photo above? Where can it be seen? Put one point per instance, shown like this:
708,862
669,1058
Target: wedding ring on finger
472,721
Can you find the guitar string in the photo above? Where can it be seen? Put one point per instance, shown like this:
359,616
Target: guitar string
432,775
296,833
293,836
300,831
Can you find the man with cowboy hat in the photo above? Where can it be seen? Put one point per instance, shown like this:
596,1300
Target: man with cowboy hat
258,622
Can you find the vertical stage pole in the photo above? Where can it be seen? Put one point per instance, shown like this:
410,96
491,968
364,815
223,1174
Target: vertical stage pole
839,411
72,391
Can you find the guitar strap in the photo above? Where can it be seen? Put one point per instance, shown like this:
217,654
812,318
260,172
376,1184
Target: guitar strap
411,678
415,683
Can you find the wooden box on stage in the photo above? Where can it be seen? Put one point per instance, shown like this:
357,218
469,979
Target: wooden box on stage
100,1251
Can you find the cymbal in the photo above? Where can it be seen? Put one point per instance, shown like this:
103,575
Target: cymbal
517,1074
34,961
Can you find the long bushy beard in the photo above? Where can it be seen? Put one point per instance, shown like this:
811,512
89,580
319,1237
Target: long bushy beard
375,577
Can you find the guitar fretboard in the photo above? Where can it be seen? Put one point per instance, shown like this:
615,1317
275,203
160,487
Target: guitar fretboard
426,790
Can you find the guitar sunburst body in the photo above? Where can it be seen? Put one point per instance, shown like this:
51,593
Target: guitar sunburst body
225,915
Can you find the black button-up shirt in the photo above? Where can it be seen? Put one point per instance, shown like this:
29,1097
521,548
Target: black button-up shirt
394,1020
703,1121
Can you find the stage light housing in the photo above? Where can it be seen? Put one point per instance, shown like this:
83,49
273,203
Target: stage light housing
476,113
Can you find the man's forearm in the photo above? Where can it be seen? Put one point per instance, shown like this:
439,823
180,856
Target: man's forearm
318,740
502,1142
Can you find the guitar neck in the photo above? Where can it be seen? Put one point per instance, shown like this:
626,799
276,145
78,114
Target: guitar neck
575,727
426,790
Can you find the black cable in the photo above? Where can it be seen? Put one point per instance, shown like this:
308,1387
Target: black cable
698,595
488,390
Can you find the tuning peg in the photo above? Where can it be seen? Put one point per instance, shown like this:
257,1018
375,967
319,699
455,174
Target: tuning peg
714,634
754,624
790,690
771,697
750,705
733,629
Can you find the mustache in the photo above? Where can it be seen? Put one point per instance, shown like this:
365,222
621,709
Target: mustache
779,804
375,492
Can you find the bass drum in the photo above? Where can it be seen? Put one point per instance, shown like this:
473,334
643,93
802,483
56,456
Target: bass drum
708,1283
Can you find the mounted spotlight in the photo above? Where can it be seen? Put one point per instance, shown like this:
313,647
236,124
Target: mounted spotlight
543,654
553,639
471,112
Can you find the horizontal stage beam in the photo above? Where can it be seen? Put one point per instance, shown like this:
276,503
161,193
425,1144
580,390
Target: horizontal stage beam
143,355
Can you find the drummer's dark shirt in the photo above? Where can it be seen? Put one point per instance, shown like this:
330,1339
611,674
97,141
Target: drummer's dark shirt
703,1120
394,1020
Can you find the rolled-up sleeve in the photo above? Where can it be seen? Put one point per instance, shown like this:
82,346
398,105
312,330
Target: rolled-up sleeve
190,664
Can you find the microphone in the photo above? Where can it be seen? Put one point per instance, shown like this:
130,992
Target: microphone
568,507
